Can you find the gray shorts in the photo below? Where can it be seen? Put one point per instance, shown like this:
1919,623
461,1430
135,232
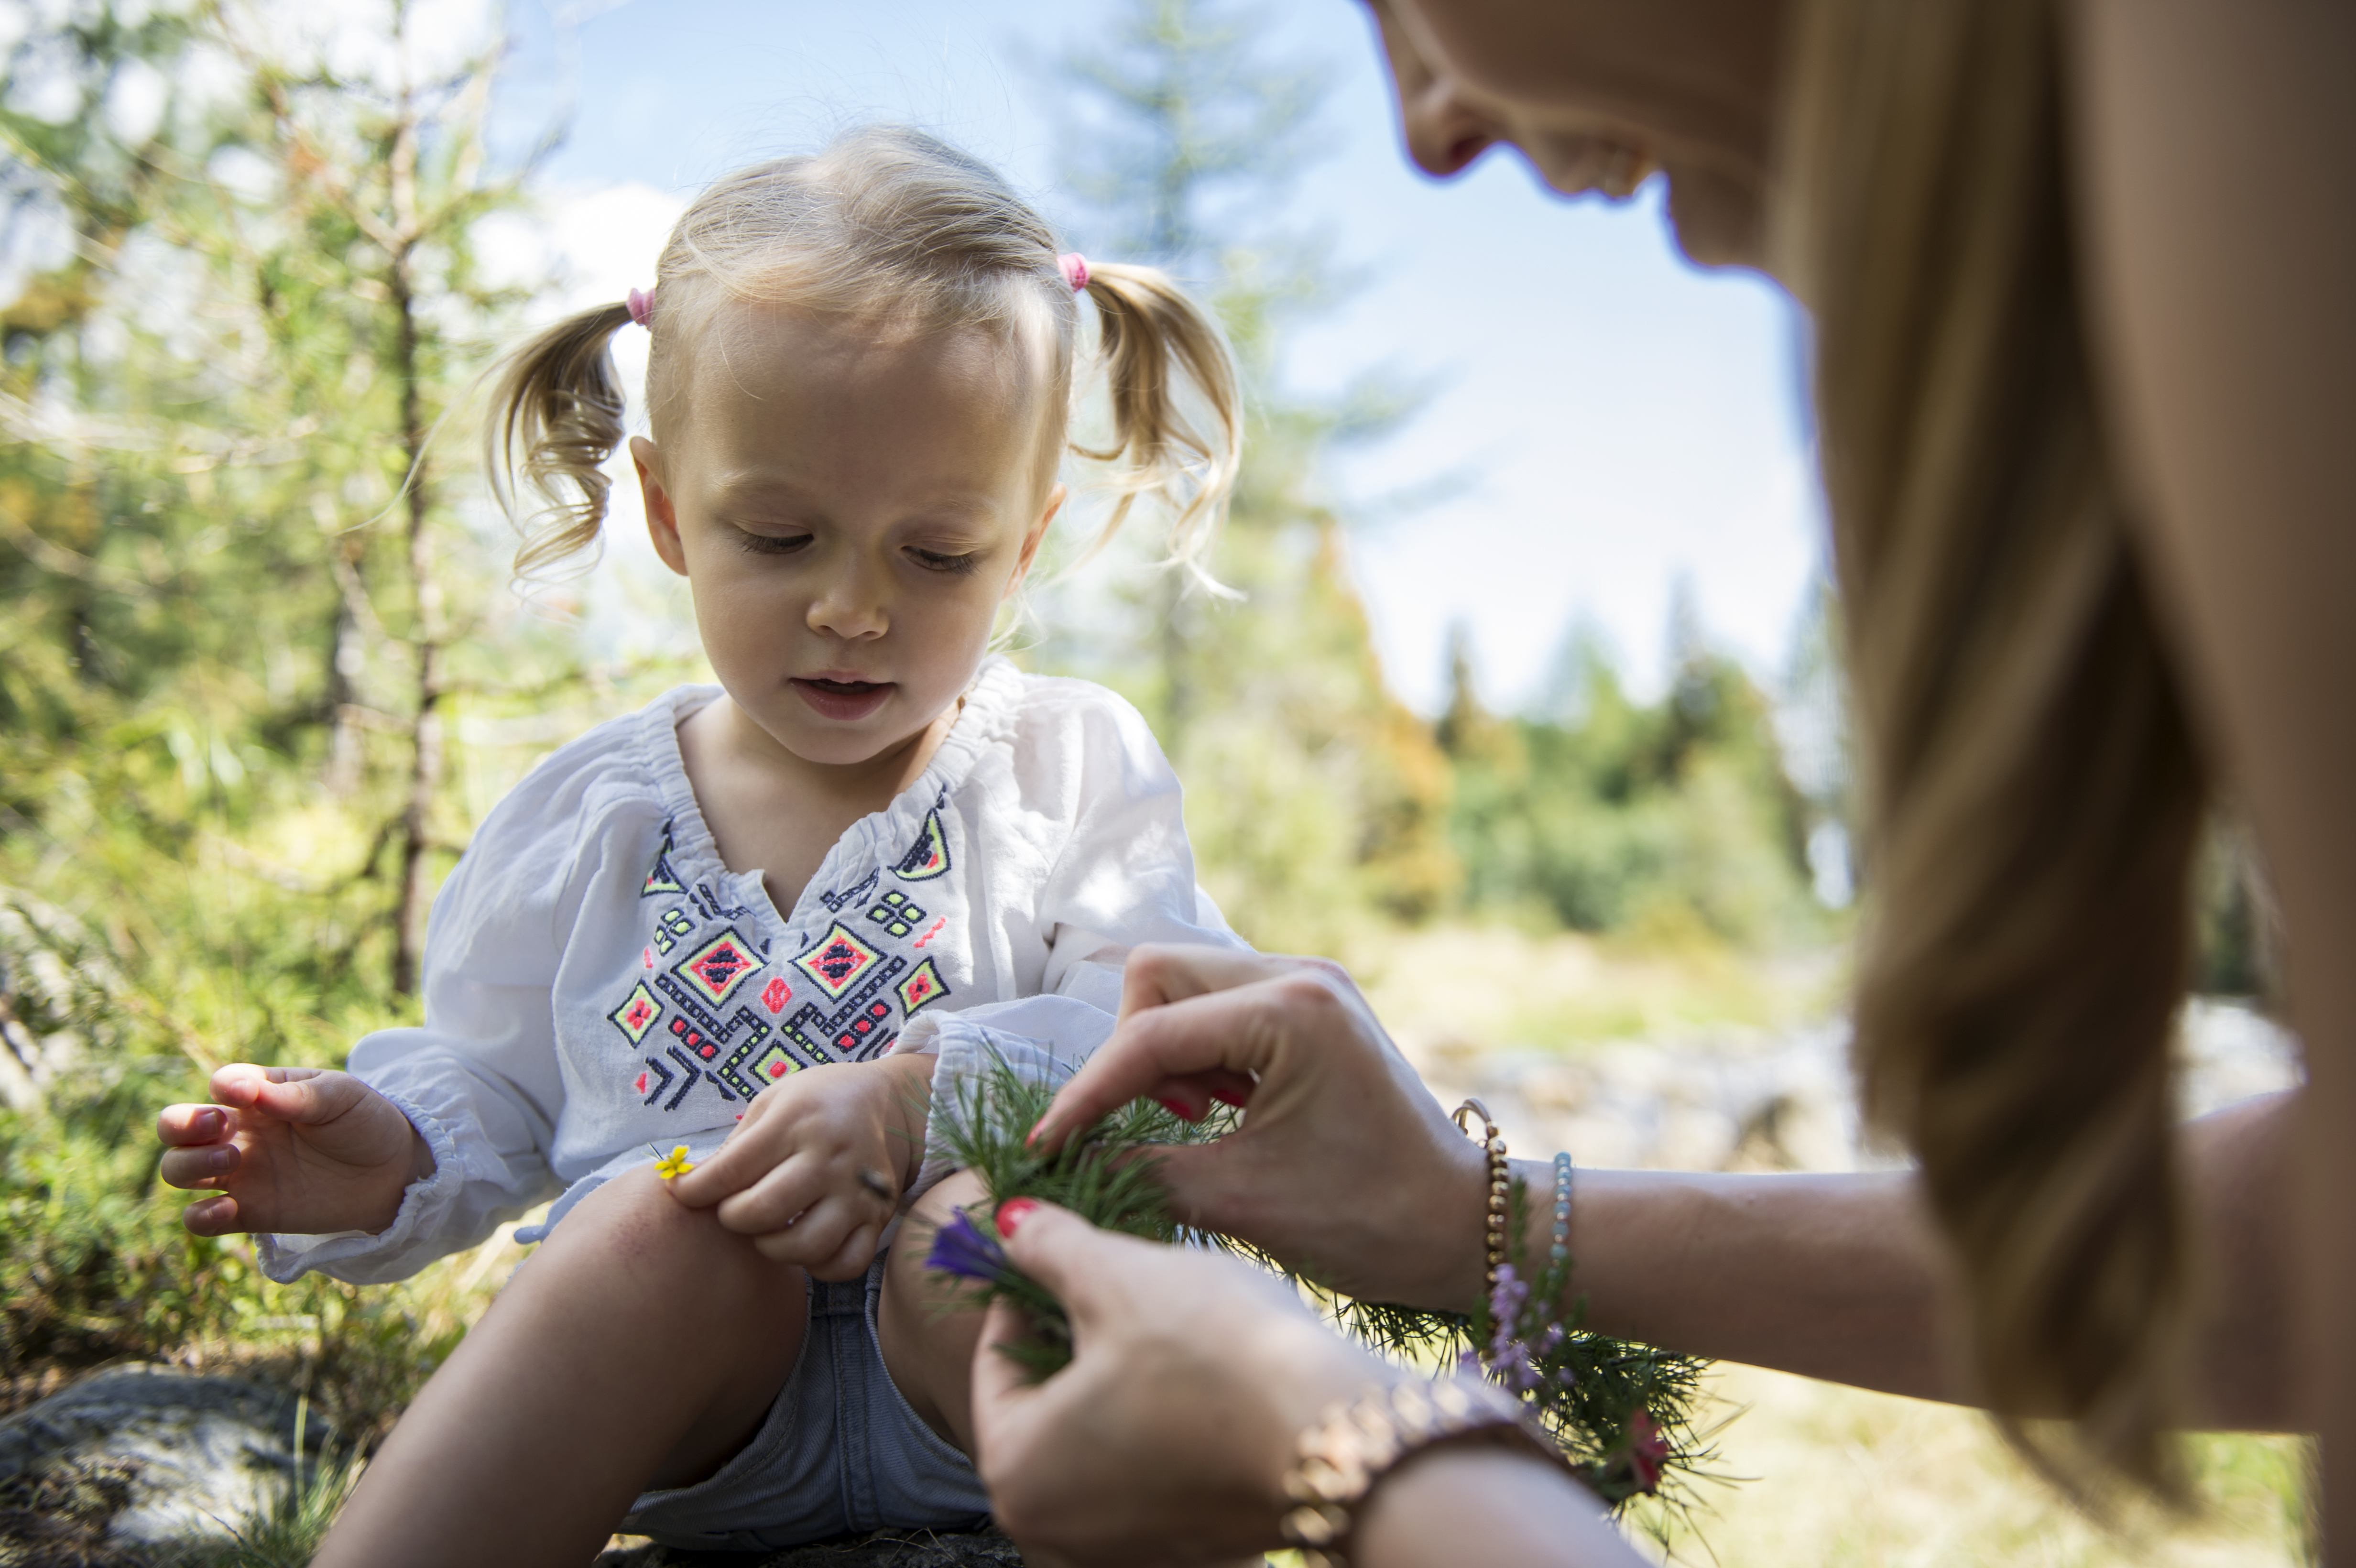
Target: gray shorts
840,1453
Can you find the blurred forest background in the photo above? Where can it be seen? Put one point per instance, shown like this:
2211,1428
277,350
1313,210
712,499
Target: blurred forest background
262,669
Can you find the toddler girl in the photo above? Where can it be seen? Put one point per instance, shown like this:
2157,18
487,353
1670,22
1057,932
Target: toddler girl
770,912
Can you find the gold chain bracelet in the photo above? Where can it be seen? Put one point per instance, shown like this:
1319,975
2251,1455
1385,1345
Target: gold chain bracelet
1354,1444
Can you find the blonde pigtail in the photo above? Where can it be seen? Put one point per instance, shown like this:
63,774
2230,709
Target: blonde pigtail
1147,328
556,416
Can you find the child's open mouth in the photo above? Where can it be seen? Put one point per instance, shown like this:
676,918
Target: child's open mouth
844,700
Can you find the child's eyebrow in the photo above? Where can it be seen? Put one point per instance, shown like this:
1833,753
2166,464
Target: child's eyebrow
957,505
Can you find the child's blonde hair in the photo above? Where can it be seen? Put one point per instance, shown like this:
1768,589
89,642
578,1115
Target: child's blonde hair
890,225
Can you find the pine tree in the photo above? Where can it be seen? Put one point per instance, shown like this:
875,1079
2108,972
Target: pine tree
1313,795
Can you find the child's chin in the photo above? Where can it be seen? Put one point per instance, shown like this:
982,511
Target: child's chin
842,745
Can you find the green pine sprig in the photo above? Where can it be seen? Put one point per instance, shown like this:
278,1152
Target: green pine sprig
1624,1414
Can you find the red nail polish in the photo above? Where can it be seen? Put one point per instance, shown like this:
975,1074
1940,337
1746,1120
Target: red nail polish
1013,1212
1228,1098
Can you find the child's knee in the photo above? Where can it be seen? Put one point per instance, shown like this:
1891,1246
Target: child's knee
634,1222
962,1190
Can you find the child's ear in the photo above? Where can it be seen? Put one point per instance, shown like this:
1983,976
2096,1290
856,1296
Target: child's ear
1038,531
662,518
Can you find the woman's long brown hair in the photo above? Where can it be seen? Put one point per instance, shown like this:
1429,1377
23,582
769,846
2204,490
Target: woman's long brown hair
2033,792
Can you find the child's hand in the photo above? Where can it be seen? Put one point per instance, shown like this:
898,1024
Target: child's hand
292,1149
815,1171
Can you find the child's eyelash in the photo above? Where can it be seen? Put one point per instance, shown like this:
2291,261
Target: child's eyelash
771,544
933,561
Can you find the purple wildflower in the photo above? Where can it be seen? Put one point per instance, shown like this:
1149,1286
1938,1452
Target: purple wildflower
961,1248
1510,1360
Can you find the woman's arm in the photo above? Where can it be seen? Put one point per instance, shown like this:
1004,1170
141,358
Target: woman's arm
1839,1276
2217,154
1347,1168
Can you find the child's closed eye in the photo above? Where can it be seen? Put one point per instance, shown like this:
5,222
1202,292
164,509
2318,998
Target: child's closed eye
770,544
943,560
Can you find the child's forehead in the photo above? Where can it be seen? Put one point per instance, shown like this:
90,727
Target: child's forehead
749,343
776,395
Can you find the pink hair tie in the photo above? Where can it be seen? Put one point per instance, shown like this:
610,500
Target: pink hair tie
1075,269
641,306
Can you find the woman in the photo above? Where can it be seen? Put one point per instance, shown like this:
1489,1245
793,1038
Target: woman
2084,375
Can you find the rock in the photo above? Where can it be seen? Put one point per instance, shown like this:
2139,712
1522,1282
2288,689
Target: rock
174,1456
983,1548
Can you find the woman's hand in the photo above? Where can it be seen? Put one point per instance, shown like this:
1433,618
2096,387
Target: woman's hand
1345,1168
815,1171
296,1149
1166,1439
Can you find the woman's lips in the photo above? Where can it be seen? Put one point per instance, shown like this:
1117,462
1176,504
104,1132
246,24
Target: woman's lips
845,701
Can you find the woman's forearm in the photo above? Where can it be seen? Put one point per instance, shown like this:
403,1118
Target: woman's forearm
1831,1276
1468,1504
1840,1276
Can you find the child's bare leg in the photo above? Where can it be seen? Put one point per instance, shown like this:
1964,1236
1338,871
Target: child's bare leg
642,1346
930,1352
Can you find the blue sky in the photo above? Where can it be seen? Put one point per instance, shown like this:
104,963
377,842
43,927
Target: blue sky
1627,419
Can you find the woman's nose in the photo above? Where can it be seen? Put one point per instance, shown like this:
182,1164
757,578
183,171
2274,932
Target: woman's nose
1444,133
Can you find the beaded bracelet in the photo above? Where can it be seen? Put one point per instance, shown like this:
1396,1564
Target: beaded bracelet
1558,1243
1493,1143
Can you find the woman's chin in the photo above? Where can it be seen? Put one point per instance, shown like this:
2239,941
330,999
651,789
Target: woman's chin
1719,221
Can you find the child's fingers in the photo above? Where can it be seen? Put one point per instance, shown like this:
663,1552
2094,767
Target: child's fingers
177,1126
773,1202
211,1217
850,1259
307,1096
817,1235
244,1083
741,1162
192,1169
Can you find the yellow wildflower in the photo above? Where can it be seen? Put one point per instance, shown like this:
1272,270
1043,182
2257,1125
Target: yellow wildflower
675,1163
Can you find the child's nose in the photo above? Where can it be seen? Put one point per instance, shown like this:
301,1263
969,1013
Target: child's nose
853,605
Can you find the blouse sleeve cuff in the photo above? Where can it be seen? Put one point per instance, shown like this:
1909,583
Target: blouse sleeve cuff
969,1053
364,1258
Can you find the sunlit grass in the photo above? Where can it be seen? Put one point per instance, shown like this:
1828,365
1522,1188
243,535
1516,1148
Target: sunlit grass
1838,1478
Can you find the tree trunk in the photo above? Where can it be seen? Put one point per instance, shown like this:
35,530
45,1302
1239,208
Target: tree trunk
426,738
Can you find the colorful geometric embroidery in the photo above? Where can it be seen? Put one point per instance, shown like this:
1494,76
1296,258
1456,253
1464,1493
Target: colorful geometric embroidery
664,1078
718,966
834,901
928,857
687,1066
638,1013
858,1029
705,898
837,961
669,926
772,1064
776,993
661,879
925,986
749,1040
897,914
695,1040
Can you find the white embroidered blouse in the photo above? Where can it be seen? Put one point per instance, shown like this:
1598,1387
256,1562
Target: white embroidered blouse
600,988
